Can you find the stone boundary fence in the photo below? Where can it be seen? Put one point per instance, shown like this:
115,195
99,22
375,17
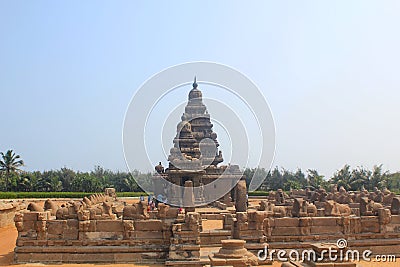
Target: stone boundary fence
8,210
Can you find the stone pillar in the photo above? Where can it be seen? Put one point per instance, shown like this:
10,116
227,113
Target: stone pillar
241,196
188,197
395,207
226,199
233,253
174,195
200,199
185,241
158,184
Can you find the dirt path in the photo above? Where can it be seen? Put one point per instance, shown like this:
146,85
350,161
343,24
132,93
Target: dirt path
8,235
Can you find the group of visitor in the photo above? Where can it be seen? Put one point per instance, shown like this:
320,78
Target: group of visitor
152,202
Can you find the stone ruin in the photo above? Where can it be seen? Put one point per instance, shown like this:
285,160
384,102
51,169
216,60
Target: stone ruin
103,229
8,210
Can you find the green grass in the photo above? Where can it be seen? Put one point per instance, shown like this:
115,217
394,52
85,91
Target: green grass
258,193
15,195
130,194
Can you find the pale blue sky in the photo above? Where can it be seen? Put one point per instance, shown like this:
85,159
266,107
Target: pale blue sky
329,70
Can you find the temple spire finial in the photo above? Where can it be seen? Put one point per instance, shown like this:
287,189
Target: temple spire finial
195,83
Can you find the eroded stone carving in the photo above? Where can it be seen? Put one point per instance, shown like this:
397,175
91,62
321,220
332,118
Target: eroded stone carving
335,209
136,211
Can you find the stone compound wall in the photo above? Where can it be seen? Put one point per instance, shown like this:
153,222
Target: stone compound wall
184,249
102,230
364,232
84,235
8,210
41,239
380,233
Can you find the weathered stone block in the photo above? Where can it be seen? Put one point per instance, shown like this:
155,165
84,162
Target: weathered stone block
128,225
323,221
306,221
29,225
56,227
72,223
30,216
395,219
109,226
23,257
54,236
127,257
71,234
270,223
148,225
87,226
59,242
325,229
370,224
43,216
88,257
286,222
19,217
83,215
286,231
101,235
148,234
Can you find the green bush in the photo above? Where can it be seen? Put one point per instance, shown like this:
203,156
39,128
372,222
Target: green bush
130,194
258,193
15,195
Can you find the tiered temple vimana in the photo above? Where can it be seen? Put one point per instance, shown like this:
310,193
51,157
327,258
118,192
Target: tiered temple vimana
194,159
105,229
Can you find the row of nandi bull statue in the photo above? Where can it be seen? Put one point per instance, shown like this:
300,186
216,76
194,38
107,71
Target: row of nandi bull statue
311,203
303,208
102,206
99,206
341,195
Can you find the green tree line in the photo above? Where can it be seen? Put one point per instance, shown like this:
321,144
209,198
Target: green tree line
68,180
351,179
12,178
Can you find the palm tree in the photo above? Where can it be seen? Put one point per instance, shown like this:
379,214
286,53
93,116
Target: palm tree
130,183
10,163
25,183
343,177
315,179
379,178
359,177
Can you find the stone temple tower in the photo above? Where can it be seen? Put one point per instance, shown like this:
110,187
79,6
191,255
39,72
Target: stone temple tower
195,144
194,160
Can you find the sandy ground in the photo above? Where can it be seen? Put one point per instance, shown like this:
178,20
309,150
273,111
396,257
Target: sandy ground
8,235
212,224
